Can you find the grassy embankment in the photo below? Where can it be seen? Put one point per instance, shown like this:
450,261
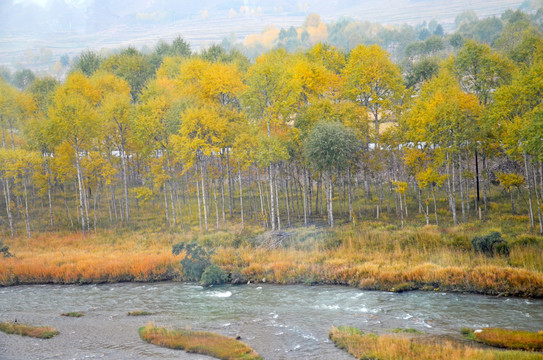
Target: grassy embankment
508,339
200,342
392,347
41,332
375,254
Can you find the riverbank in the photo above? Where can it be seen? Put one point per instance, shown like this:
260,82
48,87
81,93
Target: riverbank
368,257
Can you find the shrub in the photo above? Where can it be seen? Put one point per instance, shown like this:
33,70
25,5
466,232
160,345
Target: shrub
4,250
196,260
490,244
213,275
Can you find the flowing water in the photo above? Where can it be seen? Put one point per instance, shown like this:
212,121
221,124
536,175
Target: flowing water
279,322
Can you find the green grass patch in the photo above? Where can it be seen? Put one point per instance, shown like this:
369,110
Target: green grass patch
199,342
41,332
138,313
508,339
468,333
396,346
75,314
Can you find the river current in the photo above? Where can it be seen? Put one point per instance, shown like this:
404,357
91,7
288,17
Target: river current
279,322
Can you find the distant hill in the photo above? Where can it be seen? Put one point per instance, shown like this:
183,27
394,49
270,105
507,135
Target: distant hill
32,35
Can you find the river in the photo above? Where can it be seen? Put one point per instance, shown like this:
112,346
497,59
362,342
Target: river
279,322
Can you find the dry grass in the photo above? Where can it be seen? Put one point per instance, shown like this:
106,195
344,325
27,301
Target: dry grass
369,256
508,339
100,258
394,347
41,332
200,342
397,260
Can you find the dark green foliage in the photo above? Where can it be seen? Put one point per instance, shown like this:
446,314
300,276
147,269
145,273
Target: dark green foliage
23,79
179,47
214,53
196,260
88,62
482,30
491,244
4,250
213,275
132,66
430,46
456,40
330,146
421,72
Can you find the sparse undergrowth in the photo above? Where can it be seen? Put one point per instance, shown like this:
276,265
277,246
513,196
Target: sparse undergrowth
508,339
73,314
138,313
200,342
393,347
41,332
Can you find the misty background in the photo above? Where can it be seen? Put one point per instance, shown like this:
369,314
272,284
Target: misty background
44,34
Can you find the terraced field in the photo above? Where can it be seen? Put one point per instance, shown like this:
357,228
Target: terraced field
209,22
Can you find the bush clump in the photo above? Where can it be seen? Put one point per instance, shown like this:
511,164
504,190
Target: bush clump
4,250
196,260
491,244
213,275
